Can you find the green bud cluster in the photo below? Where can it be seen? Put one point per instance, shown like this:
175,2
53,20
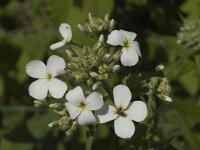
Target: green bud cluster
92,64
64,122
189,35
97,26
160,87
40,103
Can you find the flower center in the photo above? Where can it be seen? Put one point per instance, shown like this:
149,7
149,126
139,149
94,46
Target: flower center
49,77
120,112
83,105
126,44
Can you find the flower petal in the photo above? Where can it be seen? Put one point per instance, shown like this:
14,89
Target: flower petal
57,88
55,64
75,96
94,101
122,96
106,113
116,38
57,45
136,47
137,111
86,117
36,69
124,127
129,35
38,89
66,31
129,57
73,110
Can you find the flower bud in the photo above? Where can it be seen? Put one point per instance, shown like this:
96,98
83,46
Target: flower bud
89,82
53,124
95,86
165,97
112,25
81,28
106,57
72,128
55,105
90,16
93,74
160,67
101,38
39,103
107,17
116,68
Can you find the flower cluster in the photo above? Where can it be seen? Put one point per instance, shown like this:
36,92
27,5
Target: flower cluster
189,36
87,72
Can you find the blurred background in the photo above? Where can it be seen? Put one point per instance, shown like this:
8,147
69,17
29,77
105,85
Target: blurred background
168,32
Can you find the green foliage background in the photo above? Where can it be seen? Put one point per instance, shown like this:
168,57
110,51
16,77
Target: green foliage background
28,27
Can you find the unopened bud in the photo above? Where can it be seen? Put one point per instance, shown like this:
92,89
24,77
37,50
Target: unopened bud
72,128
52,124
107,17
62,112
89,82
101,38
90,16
81,28
106,57
165,97
93,74
39,103
55,105
95,86
116,68
160,67
112,25
69,53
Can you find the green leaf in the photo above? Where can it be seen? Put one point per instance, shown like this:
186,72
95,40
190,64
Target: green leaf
38,125
75,12
190,82
8,145
187,108
191,7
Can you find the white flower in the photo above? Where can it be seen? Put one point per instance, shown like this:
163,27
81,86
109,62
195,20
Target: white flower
123,113
66,32
46,77
130,48
80,107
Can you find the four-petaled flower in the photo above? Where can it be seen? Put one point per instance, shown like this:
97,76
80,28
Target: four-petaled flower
123,113
66,32
130,48
81,108
46,77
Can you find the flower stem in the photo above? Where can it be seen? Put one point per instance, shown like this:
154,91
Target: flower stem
90,137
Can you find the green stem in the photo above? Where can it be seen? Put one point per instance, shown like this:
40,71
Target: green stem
197,61
89,143
107,88
90,137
